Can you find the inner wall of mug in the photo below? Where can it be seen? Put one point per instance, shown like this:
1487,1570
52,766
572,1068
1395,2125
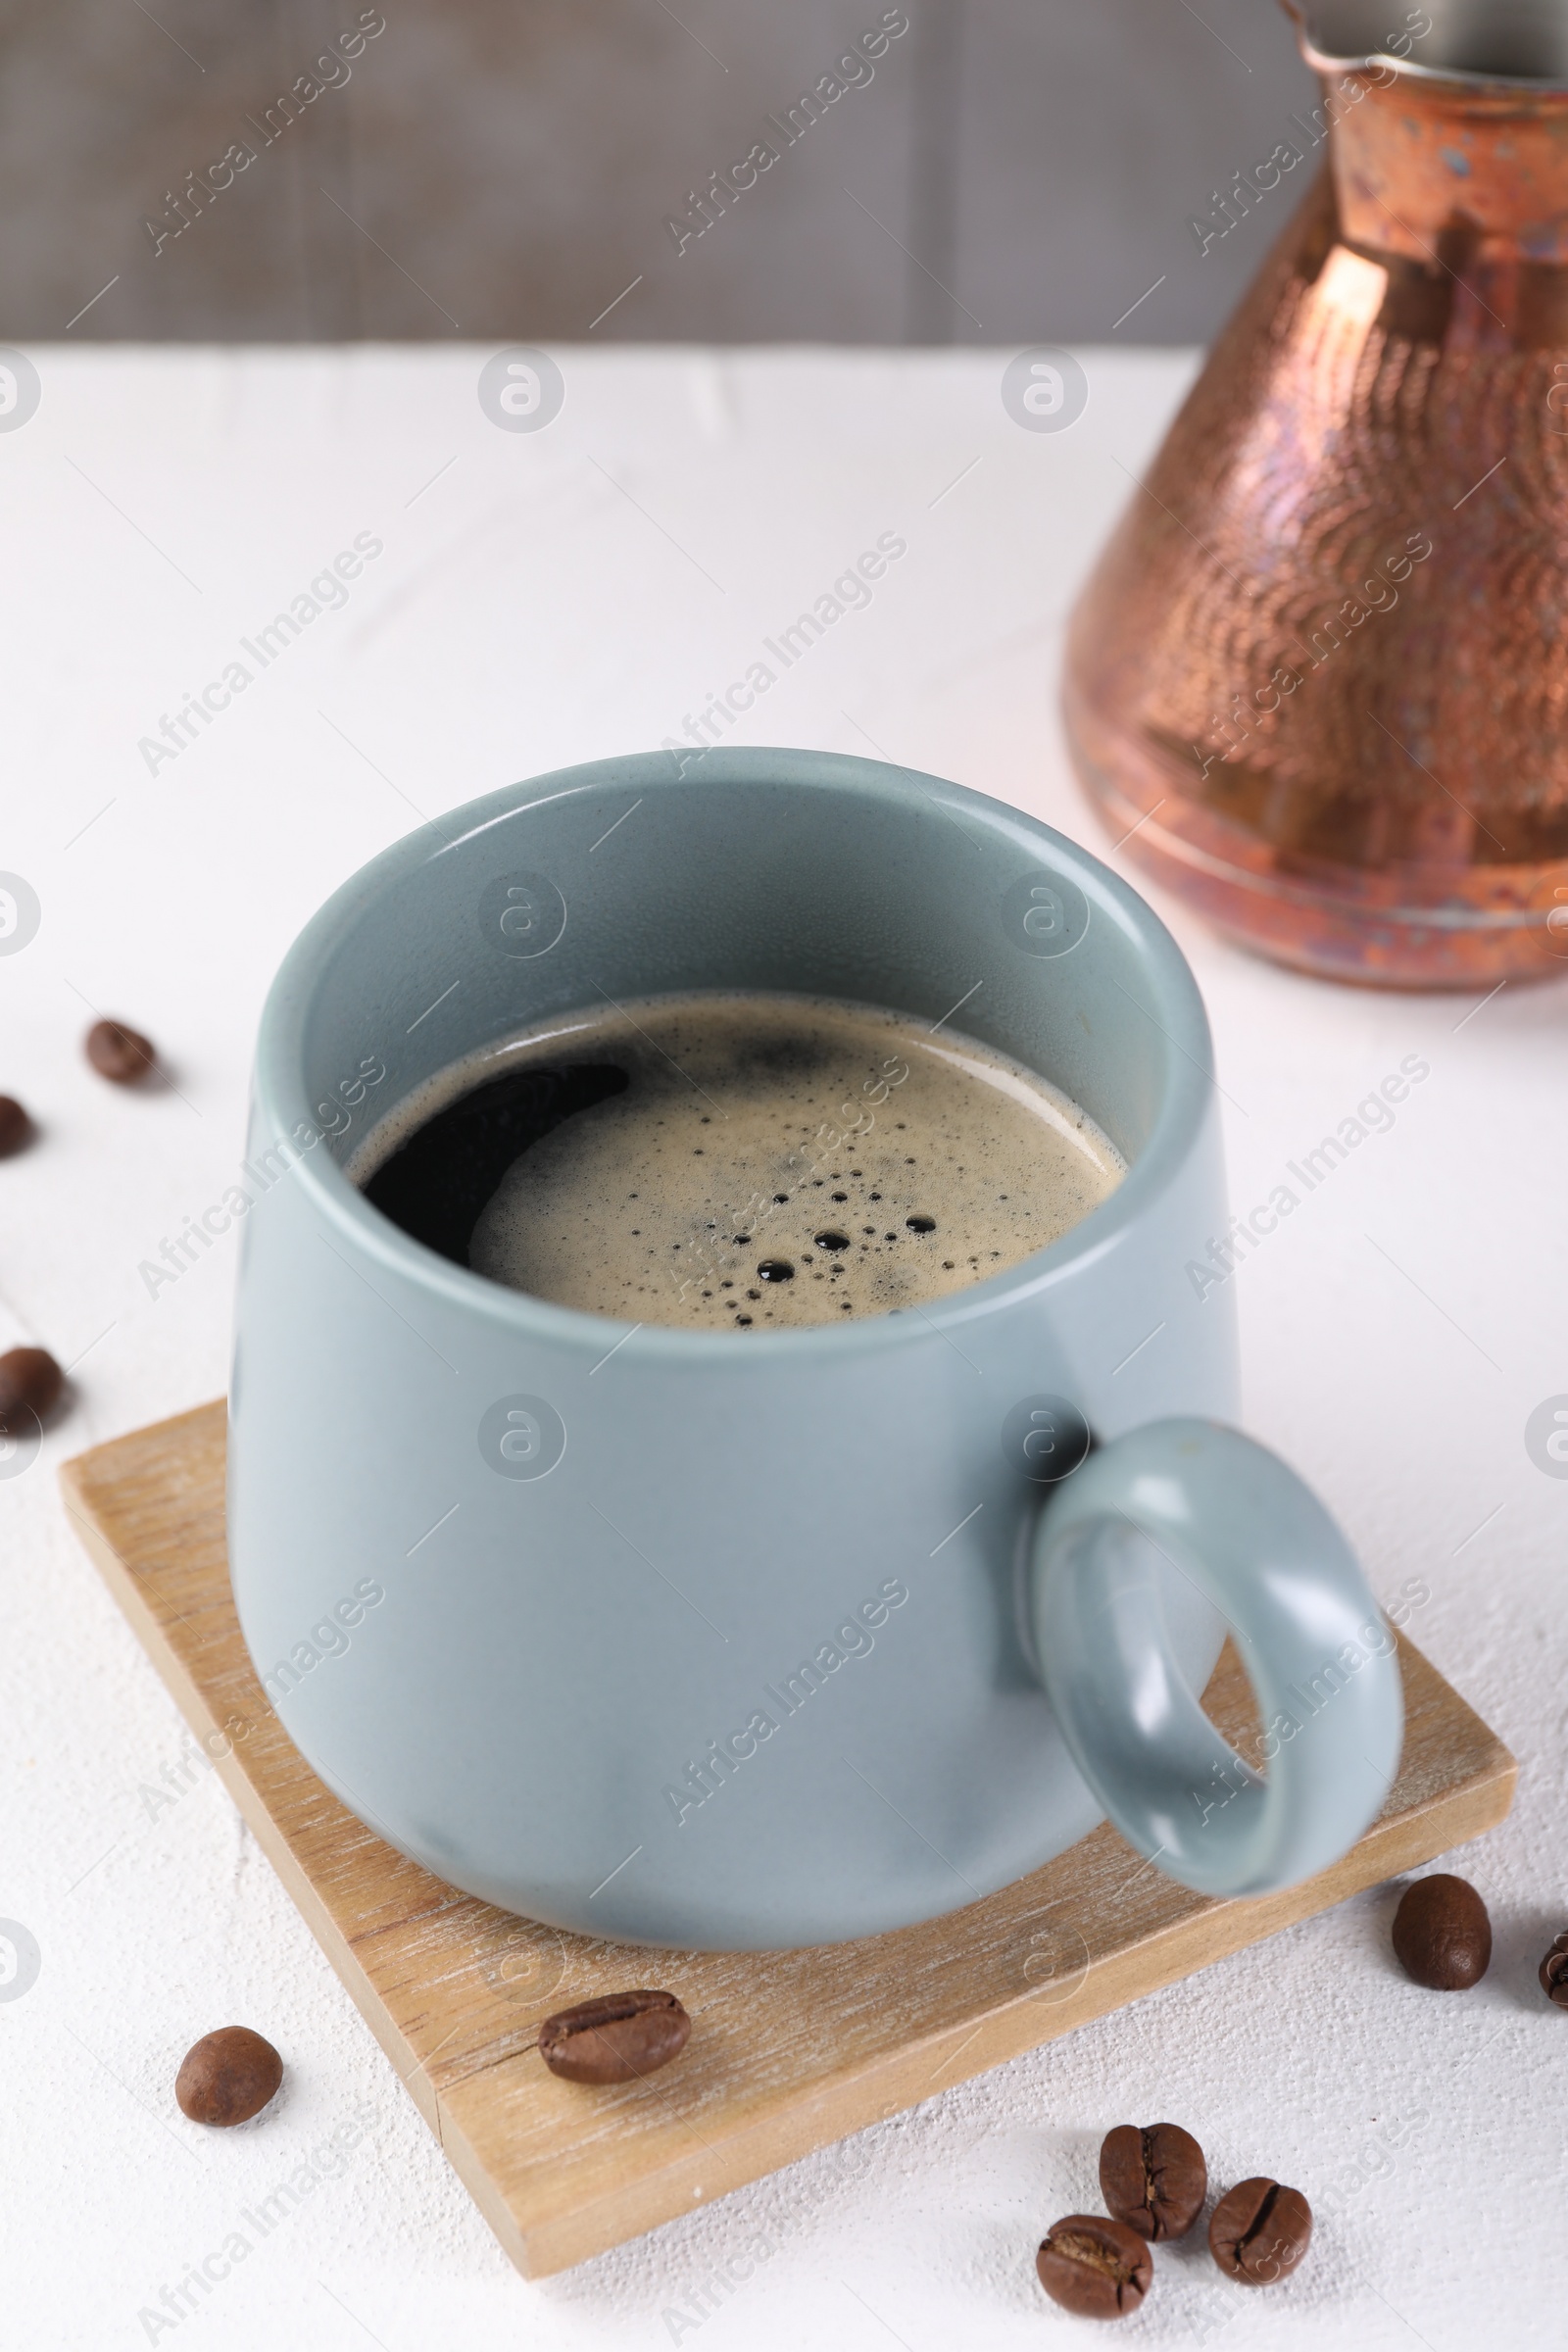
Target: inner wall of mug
764,872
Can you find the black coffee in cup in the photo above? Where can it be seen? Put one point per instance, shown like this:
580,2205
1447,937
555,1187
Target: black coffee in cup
733,1161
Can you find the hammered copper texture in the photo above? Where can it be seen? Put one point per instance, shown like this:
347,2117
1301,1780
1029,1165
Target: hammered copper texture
1321,665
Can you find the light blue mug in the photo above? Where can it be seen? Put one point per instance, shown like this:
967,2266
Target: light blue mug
703,1642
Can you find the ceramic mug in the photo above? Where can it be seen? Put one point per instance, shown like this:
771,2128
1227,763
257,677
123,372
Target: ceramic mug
714,1641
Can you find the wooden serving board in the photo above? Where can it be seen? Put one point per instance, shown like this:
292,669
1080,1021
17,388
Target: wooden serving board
789,2050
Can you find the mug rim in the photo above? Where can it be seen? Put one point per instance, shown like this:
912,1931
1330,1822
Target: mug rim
1187,1079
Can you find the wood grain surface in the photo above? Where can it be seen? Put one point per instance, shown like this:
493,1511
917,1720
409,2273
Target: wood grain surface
196,172
789,2050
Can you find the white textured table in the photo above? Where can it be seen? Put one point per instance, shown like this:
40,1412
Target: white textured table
546,597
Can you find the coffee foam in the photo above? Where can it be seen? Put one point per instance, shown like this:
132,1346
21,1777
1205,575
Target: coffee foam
883,1164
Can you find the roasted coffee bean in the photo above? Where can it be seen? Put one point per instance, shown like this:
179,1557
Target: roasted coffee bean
30,1382
1154,2178
14,1126
1441,1934
1095,2269
1259,2231
1554,1973
615,2038
118,1052
228,2077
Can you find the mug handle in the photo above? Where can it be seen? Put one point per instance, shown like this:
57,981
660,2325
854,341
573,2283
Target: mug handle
1229,1516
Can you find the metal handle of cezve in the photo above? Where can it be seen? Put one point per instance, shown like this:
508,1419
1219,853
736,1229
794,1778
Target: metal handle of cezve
1202,1502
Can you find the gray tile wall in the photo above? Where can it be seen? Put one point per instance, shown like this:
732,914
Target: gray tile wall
1011,170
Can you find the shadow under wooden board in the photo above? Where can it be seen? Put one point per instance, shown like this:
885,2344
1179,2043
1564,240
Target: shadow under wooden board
789,2050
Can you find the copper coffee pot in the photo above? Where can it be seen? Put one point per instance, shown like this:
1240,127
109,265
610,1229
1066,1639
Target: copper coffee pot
1319,678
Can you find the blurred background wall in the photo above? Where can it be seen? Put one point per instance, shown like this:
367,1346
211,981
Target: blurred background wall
496,169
